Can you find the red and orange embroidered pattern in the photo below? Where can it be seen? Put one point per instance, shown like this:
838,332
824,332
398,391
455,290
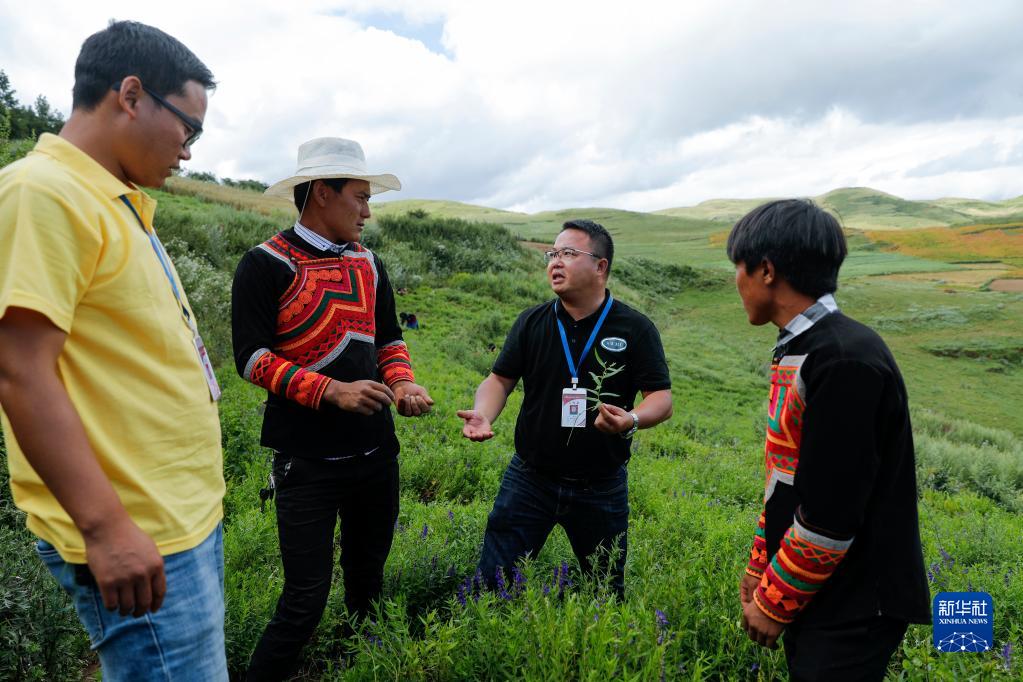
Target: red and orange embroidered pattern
330,303
802,565
394,363
781,445
288,380
805,560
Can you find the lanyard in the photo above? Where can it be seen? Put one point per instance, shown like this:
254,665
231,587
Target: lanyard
589,344
158,249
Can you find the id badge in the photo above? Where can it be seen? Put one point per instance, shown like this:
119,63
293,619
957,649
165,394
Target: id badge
207,367
573,407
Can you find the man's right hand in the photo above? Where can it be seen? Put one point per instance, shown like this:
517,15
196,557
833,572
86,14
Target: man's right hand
365,397
127,567
477,427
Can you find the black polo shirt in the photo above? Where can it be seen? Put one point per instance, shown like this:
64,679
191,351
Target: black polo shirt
533,352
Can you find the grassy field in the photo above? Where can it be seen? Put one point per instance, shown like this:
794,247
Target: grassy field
695,482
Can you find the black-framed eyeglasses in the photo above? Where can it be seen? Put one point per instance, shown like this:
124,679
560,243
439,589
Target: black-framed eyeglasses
567,253
194,126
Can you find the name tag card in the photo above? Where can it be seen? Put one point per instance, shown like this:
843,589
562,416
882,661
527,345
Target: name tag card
573,407
207,367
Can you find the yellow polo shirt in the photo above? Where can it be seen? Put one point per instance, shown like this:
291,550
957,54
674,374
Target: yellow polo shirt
71,250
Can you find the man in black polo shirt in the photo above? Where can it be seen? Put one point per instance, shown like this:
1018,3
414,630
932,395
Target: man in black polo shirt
569,465
836,561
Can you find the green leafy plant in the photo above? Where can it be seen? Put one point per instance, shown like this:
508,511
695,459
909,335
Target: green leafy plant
597,394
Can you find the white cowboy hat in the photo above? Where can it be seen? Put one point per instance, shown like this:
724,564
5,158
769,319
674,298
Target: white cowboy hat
332,157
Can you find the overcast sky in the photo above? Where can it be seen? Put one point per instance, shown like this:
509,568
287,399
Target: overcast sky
534,105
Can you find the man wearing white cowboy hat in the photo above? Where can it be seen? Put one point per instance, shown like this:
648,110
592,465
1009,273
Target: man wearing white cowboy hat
314,323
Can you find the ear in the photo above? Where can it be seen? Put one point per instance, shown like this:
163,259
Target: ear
128,95
602,267
320,192
767,272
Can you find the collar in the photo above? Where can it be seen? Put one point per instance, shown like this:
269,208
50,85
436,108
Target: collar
589,320
82,164
824,306
317,241
90,171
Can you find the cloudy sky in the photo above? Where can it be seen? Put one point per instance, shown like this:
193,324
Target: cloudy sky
533,105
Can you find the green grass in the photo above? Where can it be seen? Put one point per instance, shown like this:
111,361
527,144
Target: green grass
695,482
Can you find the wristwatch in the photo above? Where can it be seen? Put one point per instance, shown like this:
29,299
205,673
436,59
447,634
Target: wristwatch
635,427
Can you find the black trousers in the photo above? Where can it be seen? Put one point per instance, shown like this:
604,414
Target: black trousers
851,651
310,497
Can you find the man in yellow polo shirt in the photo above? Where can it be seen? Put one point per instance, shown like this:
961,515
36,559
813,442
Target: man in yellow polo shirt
108,401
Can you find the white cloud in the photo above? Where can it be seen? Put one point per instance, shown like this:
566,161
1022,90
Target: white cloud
536,105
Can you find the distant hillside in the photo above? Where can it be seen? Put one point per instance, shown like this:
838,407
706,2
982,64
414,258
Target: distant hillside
888,235
862,208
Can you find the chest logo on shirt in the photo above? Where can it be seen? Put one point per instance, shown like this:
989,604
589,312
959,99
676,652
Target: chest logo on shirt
614,344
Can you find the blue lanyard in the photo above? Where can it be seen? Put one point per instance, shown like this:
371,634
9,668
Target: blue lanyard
589,344
158,249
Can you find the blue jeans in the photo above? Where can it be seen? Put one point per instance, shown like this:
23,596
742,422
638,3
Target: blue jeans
594,513
184,640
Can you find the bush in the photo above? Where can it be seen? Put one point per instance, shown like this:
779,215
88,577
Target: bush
661,279
40,636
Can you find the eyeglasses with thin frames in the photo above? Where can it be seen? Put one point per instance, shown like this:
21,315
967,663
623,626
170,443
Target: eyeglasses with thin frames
566,254
194,126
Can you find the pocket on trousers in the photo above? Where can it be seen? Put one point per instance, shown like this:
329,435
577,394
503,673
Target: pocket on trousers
86,598
282,468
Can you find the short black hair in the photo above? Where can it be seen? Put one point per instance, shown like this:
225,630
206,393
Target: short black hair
302,190
599,237
128,48
804,242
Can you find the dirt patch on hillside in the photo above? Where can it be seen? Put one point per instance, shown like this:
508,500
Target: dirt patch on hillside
1013,286
968,277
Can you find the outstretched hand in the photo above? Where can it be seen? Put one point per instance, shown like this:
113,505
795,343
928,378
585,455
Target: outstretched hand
477,427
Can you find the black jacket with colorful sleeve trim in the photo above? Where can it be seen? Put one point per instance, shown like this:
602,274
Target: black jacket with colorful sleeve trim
839,536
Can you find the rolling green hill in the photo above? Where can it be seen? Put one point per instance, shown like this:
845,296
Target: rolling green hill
862,208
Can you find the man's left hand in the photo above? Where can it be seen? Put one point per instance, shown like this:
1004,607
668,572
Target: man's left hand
412,399
761,629
612,419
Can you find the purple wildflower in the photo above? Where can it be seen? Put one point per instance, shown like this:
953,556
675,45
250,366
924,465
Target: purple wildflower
451,515
662,620
1007,655
546,589
461,594
501,591
755,667
562,577
425,532
518,579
